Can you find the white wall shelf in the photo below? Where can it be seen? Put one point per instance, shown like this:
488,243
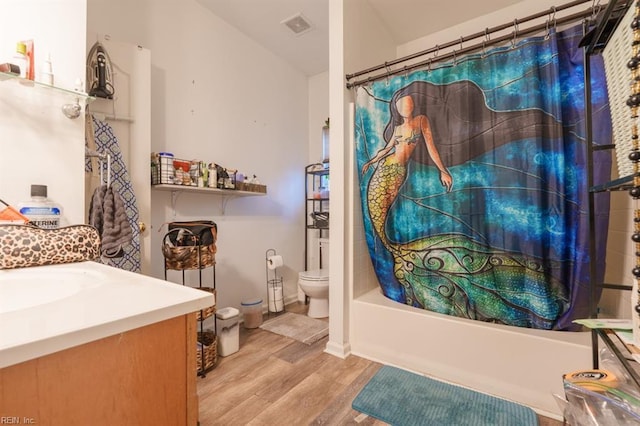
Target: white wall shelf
226,194
45,88
210,191
69,102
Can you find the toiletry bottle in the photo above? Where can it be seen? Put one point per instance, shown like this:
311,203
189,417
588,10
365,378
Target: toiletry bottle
46,75
31,70
21,59
213,176
41,211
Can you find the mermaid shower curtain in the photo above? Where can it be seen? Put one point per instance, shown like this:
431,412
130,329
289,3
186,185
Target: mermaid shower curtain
473,180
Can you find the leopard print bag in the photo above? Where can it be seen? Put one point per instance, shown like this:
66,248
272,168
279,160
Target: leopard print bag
22,246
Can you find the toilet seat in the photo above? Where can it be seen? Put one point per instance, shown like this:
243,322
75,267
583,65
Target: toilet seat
314,275
315,284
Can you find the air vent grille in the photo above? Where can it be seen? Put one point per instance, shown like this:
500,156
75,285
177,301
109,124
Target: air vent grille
299,24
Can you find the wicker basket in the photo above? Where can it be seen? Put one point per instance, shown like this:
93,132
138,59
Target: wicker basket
208,341
183,249
251,187
188,257
209,311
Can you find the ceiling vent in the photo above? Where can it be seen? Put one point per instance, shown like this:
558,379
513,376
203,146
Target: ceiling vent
299,24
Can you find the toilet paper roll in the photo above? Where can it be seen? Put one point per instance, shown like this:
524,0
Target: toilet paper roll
276,302
274,262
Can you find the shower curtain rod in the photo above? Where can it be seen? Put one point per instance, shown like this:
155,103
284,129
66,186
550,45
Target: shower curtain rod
552,20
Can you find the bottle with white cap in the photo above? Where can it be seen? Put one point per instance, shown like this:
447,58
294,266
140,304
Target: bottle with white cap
46,76
41,211
21,58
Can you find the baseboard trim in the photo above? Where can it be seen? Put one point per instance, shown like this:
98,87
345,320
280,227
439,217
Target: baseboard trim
339,350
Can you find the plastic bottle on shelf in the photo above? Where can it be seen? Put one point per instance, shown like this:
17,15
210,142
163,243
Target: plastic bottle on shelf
21,58
41,211
213,176
46,75
31,70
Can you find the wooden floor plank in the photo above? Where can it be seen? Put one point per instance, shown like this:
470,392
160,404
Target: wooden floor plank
291,377
297,351
339,411
301,404
240,414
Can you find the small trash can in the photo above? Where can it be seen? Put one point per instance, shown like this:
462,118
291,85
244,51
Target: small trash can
228,331
252,313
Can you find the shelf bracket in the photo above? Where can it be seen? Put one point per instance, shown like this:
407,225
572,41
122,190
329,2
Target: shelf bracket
174,200
225,201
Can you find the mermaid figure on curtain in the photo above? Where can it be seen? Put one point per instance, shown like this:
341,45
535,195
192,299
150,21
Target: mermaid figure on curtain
453,273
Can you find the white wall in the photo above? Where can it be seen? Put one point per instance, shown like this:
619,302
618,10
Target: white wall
508,14
219,97
38,144
318,113
620,257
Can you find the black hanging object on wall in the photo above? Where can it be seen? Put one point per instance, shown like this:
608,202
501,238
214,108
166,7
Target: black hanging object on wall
606,23
99,73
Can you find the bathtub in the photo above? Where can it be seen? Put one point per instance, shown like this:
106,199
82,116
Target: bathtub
518,364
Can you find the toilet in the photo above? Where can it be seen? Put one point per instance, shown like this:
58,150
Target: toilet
315,284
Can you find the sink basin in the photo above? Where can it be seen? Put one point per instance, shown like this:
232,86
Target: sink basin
29,287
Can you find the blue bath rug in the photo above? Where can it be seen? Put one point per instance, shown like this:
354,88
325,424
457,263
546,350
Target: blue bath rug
401,398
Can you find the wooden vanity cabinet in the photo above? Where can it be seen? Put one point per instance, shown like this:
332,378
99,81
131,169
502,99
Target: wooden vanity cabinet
145,376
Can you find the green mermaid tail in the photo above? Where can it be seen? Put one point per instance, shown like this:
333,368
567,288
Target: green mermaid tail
383,190
456,275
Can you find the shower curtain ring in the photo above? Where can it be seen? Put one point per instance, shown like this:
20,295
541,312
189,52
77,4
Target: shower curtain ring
461,41
547,30
484,51
388,72
595,9
436,52
515,32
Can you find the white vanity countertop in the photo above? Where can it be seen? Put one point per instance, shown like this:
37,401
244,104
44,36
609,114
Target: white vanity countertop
46,309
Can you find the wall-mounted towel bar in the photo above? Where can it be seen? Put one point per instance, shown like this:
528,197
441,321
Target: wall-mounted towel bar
103,158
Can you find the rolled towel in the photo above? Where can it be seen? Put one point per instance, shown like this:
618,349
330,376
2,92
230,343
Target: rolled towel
96,209
116,231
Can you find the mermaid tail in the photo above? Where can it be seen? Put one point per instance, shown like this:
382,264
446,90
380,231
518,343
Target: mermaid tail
383,190
456,275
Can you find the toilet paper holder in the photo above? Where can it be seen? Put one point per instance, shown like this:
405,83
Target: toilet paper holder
275,288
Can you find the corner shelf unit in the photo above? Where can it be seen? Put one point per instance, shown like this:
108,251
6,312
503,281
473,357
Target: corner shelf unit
316,206
597,39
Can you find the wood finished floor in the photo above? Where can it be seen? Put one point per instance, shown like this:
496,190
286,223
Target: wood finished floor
274,380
